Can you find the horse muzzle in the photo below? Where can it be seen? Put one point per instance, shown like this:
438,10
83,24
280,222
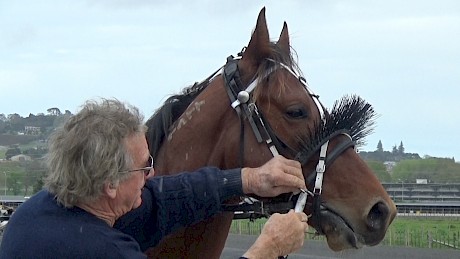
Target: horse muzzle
345,233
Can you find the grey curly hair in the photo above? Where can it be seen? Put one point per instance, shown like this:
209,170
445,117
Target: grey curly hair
88,150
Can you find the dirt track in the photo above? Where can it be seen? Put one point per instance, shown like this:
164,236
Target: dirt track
237,244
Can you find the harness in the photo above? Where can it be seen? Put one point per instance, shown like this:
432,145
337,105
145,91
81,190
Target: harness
240,98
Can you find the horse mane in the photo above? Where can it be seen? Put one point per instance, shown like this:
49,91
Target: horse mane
162,119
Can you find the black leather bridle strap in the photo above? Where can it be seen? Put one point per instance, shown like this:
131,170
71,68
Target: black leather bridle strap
231,75
260,208
337,151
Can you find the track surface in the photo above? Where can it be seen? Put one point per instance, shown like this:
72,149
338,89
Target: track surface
237,244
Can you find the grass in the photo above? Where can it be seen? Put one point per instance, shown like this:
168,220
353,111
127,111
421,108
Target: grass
424,232
404,231
443,225
32,144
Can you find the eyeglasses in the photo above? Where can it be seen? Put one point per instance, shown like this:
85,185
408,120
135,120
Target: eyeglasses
146,169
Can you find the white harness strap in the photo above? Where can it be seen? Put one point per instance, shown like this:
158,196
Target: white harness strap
320,169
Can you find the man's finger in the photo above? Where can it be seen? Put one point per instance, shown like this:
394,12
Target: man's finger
288,180
277,190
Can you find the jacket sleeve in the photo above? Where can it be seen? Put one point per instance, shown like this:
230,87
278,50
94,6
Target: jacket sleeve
170,203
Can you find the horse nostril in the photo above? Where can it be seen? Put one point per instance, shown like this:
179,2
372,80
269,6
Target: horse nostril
377,217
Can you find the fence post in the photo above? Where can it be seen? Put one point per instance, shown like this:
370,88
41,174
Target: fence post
407,237
390,236
454,241
430,239
239,226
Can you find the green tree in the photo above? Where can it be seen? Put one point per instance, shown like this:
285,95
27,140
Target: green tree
33,172
401,148
436,170
380,147
13,151
16,123
394,150
54,111
38,185
380,171
14,183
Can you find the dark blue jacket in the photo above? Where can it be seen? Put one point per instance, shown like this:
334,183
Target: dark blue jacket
42,228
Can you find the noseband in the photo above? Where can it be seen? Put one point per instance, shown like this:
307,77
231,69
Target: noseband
241,102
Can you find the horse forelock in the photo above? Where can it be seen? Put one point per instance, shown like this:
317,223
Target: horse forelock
265,70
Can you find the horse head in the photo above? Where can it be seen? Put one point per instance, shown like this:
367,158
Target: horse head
348,203
260,106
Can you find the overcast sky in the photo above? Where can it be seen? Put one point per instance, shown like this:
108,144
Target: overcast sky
401,56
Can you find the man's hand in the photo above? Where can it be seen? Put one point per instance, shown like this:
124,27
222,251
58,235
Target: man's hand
281,235
277,176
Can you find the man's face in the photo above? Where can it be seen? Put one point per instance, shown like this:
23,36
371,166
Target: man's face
129,191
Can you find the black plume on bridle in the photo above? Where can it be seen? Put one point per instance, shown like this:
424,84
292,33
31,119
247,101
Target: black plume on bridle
351,115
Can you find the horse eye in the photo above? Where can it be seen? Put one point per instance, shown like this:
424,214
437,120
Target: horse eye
296,113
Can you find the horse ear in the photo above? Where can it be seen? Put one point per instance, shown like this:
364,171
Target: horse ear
259,45
283,42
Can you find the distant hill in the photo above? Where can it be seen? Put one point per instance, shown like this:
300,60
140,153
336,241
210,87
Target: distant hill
8,140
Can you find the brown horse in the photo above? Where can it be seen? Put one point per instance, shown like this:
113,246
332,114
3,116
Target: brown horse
257,107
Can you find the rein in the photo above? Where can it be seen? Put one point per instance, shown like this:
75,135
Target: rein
240,101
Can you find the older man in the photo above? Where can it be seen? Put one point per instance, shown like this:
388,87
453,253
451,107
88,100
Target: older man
98,164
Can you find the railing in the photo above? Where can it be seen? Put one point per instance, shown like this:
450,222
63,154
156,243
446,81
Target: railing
394,237
422,238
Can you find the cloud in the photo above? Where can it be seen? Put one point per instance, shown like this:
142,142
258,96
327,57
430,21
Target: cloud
15,36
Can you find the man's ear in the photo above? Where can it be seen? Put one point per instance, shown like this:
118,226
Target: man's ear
110,189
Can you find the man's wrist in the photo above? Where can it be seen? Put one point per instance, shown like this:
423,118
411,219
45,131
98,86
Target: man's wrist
262,248
245,175
231,181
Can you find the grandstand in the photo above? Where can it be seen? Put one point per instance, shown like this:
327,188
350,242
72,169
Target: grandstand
425,199
12,201
410,198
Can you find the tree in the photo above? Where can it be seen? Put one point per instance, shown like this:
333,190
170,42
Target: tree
16,122
14,183
2,127
12,152
39,183
380,147
401,148
380,171
33,172
14,116
394,151
436,170
54,111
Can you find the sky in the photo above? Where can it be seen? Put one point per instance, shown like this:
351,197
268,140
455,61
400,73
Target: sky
403,57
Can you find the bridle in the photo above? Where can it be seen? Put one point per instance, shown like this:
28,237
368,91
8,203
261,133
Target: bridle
246,109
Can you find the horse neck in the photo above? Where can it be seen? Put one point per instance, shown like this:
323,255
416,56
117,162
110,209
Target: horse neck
200,135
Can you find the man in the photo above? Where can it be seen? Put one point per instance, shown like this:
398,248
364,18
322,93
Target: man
98,163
